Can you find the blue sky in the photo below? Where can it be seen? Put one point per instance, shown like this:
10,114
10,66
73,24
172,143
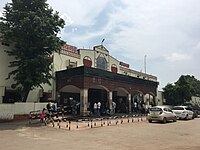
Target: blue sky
166,31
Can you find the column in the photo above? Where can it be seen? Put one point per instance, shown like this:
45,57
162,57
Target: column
154,101
1,99
149,100
83,101
129,103
110,100
58,98
2,93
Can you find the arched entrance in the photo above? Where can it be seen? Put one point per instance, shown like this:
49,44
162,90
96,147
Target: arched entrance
120,97
96,94
101,85
137,102
69,98
149,99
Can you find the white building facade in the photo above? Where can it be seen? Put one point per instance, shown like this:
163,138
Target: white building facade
72,57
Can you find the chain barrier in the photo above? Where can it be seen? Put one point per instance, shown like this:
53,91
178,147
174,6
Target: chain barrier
86,123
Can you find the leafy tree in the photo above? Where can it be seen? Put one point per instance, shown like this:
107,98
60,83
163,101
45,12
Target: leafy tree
32,27
184,90
181,91
169,94
194,83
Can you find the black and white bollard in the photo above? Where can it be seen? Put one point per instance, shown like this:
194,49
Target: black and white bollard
91,124
69,125
59,123
77,124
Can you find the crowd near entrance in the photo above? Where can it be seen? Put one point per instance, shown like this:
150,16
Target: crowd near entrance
98,103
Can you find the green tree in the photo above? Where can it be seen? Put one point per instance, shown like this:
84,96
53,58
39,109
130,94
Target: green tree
194,83
32,27
184,90
181,91
169,94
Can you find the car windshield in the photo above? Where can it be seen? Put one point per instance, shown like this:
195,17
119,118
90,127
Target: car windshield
155,109
187,108
178,108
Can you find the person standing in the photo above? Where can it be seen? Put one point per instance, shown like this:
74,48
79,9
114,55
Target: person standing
54,106
95,108
135,107
113,107
99,108
49,107
42,116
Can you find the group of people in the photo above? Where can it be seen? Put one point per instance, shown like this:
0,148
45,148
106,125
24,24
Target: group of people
49,110
97,108
139,107
51,107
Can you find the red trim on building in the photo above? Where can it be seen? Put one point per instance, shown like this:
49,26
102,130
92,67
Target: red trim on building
124,64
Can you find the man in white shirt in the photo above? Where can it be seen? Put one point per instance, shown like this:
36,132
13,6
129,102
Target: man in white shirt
95,108
98,108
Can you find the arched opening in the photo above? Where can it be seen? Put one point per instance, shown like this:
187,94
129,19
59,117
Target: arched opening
114,68
87,61
149,99
69,99
98,94
120,97
137,102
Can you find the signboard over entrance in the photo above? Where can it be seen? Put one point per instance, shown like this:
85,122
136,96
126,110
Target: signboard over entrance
124,64
70,50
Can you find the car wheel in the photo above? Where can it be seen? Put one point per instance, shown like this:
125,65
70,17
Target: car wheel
193,116
150,121
174,120
187,117
164,120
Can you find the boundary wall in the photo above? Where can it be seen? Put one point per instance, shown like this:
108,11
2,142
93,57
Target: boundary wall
18,111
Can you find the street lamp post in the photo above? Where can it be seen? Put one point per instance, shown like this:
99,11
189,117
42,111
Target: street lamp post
145,64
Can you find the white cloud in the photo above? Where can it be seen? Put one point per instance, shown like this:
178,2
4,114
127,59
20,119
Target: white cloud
67,18
178,57
82,12
166,31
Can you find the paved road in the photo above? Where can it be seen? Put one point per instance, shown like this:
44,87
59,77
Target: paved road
182,135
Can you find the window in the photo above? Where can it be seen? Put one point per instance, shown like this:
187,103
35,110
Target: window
11,96
169,110
101,63
188,108
178,108
5,44
165,109
114,68
155,109
87,61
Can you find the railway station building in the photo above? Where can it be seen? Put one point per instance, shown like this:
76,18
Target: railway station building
91,75
86,76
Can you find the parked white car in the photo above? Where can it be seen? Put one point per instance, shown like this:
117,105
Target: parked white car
161,113
183,112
